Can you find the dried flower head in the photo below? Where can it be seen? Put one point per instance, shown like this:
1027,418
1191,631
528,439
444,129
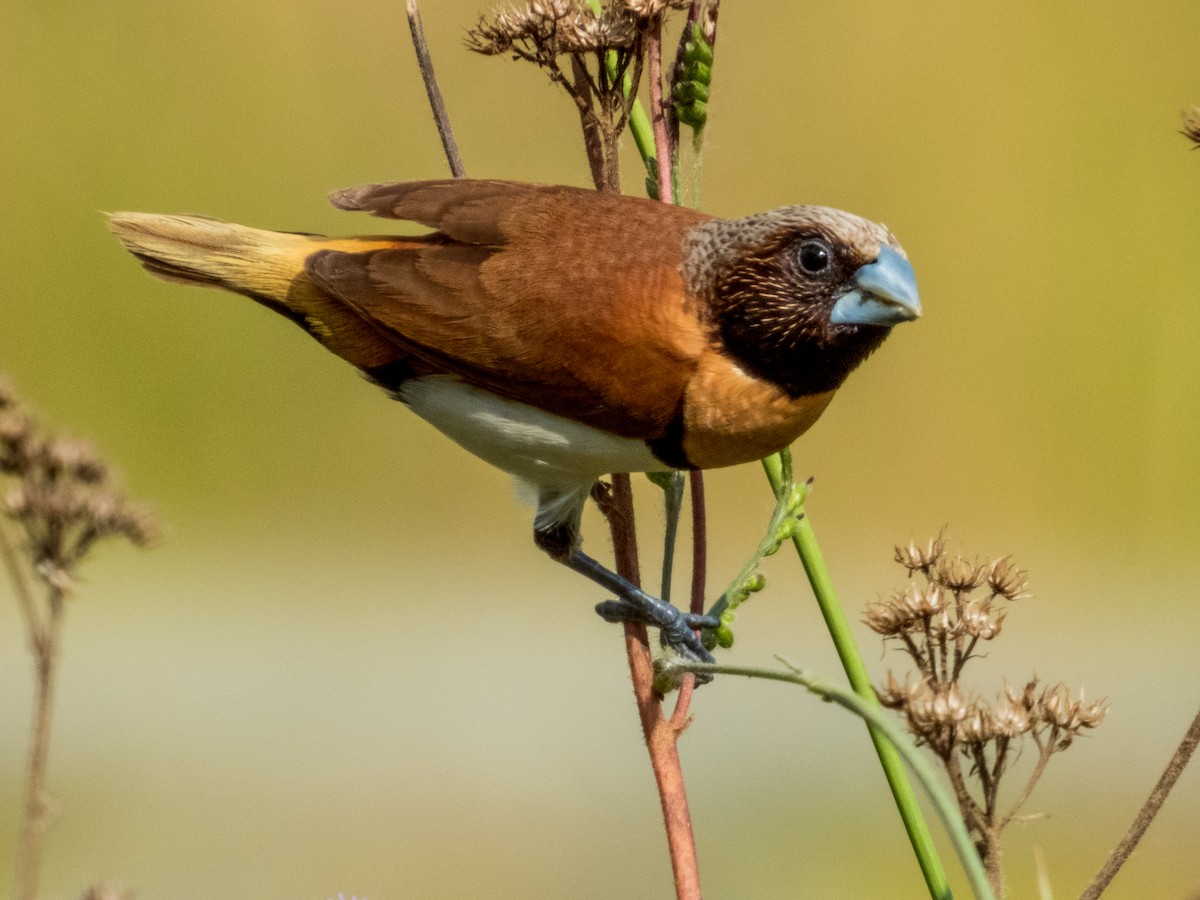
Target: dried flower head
1007,581
62,496
647,9
918,559
1056,707
980,620
905,610
1191,125
959,574
545,29
938,622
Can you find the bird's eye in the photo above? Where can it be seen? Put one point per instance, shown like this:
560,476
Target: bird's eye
815,256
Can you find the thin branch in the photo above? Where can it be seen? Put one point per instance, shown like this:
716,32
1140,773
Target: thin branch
1045,751
20,585
699,541
1146,814
888,730
680,716
970,809
658,115
36,817
436,104
659,734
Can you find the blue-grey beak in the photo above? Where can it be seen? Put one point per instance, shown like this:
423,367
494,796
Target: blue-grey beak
884,293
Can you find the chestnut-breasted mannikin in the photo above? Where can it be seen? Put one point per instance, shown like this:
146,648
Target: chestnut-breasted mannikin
562,334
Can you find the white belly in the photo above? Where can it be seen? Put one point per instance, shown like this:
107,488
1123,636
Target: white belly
560,457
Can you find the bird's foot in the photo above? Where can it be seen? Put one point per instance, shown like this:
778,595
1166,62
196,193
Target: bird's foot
677,628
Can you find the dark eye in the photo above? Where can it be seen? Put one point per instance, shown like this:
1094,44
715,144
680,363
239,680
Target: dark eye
815,256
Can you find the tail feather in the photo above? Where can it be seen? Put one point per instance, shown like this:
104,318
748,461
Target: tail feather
203,251
268,266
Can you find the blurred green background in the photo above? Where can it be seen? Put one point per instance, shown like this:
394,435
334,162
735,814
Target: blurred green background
346,668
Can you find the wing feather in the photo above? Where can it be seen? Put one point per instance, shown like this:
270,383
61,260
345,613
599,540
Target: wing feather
566,299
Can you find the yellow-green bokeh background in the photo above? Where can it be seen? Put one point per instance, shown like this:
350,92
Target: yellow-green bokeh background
346,668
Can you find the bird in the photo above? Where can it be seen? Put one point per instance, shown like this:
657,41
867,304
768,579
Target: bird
562,334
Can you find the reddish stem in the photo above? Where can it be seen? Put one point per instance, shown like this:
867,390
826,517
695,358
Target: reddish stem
658,114
660,734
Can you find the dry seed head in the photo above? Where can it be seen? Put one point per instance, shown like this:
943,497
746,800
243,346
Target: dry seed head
959,574
1058,708
905,610
980,620
64,456
647,9
545,28
586,33
978,726
888,618
918,559
930,710
1007,580
17,443
897,694
1191,125
1011,719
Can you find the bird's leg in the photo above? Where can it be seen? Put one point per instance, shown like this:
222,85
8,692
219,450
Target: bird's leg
678,629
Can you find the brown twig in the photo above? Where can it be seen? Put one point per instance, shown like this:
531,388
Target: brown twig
436,104
24,593
1179,760
658,732
661,734
658,113
36,818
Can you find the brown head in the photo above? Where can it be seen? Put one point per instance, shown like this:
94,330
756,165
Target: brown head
801,295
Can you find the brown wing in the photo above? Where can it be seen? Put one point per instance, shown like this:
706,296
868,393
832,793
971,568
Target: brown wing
566,299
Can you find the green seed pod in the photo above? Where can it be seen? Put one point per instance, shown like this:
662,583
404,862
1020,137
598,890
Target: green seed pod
693,116
697,48
700,74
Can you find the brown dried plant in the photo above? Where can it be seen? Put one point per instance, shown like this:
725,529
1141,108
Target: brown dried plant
939,620
1191,125
60,496
597,57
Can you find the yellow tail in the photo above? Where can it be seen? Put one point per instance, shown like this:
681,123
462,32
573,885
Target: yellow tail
204,251
265,265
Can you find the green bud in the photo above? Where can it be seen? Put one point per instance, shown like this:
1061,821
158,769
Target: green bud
661,480
755,582
694,115
664,684
724,632
697,48
700,73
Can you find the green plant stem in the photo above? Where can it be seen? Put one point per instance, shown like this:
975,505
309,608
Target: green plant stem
805,542
889,733
839,629
786,508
